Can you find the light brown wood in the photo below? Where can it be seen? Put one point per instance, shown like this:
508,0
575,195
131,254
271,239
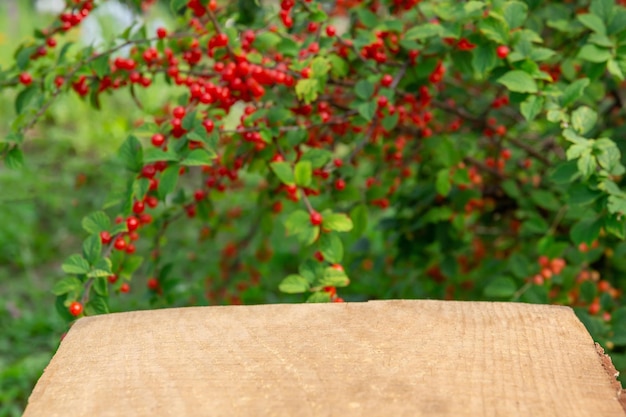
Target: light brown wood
382,358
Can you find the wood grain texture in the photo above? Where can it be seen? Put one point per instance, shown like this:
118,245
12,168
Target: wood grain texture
382,358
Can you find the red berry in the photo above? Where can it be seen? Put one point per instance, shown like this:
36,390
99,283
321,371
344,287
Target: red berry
158,140
330,30
161,33
120,243
139,207
153,284
26,78
105,237
386,80
316,218
124,287
76,308
179,112
502,51
340,184
306,72
112,278
132,223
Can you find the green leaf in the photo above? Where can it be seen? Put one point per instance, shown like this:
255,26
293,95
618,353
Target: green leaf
615,226
615,69
75,264
319,297
320,67
574,91
334,277
580,194
14,158
495,29
131,154
153,154
25,97
92,248
584,119
586,231
284,172
593,22
303,173
364,89
367,110
605,9
501,287
168,181
518,81
100,286
587,163
545,199
294,284
515,13
317,157
339,66
607,153
592,53
331,247
67,284
424,31
96,222
359,218
531,107
337,221
101,66
199,157
299,224
307,89
442,183
97,305
484,58
177,5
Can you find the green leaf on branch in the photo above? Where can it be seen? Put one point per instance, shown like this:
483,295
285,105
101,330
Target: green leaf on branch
317,157
14,158
518,81
592,53
331,247
367,110
307,89
96,222
574,91
424,31
320,67
337,221
25,98
502,287
586,231
586,163
199,157
303,173
605,9
495,29
334,277
131,154
593,22
100,286
152,154
294,284
515,13
531,107
97,305
319,297
616,226
92,248
584,119
484,58
359,218
299,224
284,172
364,89
607,153
615,69
177,5
101,65
442,183
67,284
168,181
75,264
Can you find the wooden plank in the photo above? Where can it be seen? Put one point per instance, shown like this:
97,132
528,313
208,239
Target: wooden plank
382,358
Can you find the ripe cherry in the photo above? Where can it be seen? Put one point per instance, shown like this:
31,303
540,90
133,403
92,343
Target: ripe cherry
502,51
120,243
76,308
178,112
330,30
158,140
124,287
26,78
132,223
105,237
316,218
386,80
161,32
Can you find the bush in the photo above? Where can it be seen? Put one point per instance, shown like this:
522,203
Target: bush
350,150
